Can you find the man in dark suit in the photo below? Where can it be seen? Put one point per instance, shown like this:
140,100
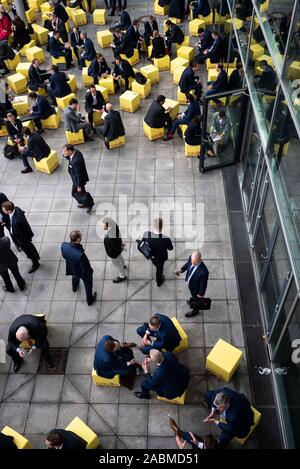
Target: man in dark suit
94,102
9,261
97,68
267,80
34,330
122,69
236,78
78,173
121,6
157,116
134,35
201,7
186,117
21,233
177,9
78,265
169,380
3,199
196,441
36,148
205,39
214,52
58,49
162,329
41,109
123,23
75,40
220,84
196,276
150,26
234,408
74,120
59,83
121,44
159,245
64,439
37,78
115,358
6,52
14,129
7,442
114,247
88,51
158,46
58,25
188,81
59,10
174,35
113,127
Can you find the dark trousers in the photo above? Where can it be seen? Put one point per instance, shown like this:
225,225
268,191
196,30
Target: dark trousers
187,437
168,123
25,155
88,285
121,5
117,84
141,332
7,281
159,264
95,78
38,123
177,123
91,114
30,250
75,191
75,50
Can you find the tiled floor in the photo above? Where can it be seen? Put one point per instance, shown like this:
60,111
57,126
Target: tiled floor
145,172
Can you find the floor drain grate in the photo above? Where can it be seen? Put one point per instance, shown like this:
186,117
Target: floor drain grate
59,357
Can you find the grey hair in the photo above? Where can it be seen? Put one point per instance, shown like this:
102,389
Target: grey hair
156,356
221,399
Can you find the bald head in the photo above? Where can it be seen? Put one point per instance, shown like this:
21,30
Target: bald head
22,333
196,258
109,107
156,356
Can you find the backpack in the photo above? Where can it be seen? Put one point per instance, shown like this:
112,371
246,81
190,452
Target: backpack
139,77
10,152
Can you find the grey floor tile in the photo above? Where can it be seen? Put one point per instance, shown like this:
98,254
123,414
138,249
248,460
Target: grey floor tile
67,412
136,426
41,418
47,388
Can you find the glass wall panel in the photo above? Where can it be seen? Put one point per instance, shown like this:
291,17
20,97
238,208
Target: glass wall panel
249,164
283,314
242,13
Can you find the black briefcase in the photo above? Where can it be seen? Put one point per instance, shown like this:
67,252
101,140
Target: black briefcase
144,248
199,303
84,198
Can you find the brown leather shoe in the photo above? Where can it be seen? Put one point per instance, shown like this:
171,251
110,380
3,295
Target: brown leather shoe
174,425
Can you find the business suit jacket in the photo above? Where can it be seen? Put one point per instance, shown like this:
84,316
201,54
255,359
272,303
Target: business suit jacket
37,330
156,115
77,169
216,50
42,109
71,119
77,263
3,198
109,364
8,259
75,42
198,282
124,46
125,20
56,48
169,380
203,9
113,126
19,229
16,130
61,12
187,80
158,47
89,100
113,243
6,52
61,29
59,85
159,244
192,111
38,147
268,79
167,336
149,28
127,69
221,83
89,52
177,9
174,34
7,442
133,35
206,41
193,134
34,78
71,440
235,81
96,68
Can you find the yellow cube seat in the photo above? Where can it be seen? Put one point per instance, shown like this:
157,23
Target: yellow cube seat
163,63
3,131
160,11
174,105
29,125
238,24
142,90
21,105
256,50
19,440
59,60
62,103
257,417
186,42
104,38
269,60
178,62
186,52
53,121
35,53
294,70
181,96
118,142
180,400
175,20
41,34
264,7
97,118
30,15
99,16
210,65
177,75
78,427
40,91
207,19
72,82
151,72
153,134
86,79
27,46
49,164
194,25
13,63
36,4
184,342
75,138
103,91
17,83
78,17
284,149
108,83
223,360
46,8
191,150
130,101
23,67
132,60
100,381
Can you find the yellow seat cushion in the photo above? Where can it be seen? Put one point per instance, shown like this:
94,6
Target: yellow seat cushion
160,11
23,67
59,60
104,38
46,8
108,83
53,121
163,63
151,72
181,96
29,125
186,52
20,441
191,150
180,400
236,21
118,142
12,64
184,342
153,134
30,15
132,60
36,4
17,83
21,105
49,164
35,53
41,34
103,91
142,90
177,74
186,42
294,70
86,79
174,105
75,138
257,417
194,25
223,360
81,429
256,50
27,46
100,381
78,17
62,103
130,101
99,16
72,82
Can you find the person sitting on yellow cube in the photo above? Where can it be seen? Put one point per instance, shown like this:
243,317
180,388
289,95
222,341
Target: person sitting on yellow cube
49,164
257,417
64,439
40,151
223,360
78,427
104,38
16,440
151,72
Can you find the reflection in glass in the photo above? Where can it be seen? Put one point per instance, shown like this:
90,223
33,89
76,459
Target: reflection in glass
249,164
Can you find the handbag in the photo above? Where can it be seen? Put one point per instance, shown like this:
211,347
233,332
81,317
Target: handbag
83,198
10,152
144,248
139,77
200,303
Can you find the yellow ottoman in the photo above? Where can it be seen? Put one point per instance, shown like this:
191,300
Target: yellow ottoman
100,381
49,164
194,25
174,105
175,20
20,441
21,105
132,60
178,62
210,64
79,17
53,121
59,60
17,83
62,103
181,96
130,101
27,46
35,53
162,63
237,23
46,8
75,138
151,72
264,7
186,52
256,50
12,64
177,400
86,5
72,82
86,79
97,118
36,4
30,15
258,61
99,16
152,133
294,70
160,11
78,427
103,91
3,131
142,90
118,142
223,360
29,125
191,150
177,75
108,83
207,19
184,343
257,417
40,91
41,34
104,38
212,74
186,42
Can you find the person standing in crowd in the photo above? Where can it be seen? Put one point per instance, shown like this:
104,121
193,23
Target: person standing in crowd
114,247
9,261
123,23
196,277
3,199
74,121
163,332
94,102
21,233
133,33
201,7
122,5
157,116
113,127
78,265
159,245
